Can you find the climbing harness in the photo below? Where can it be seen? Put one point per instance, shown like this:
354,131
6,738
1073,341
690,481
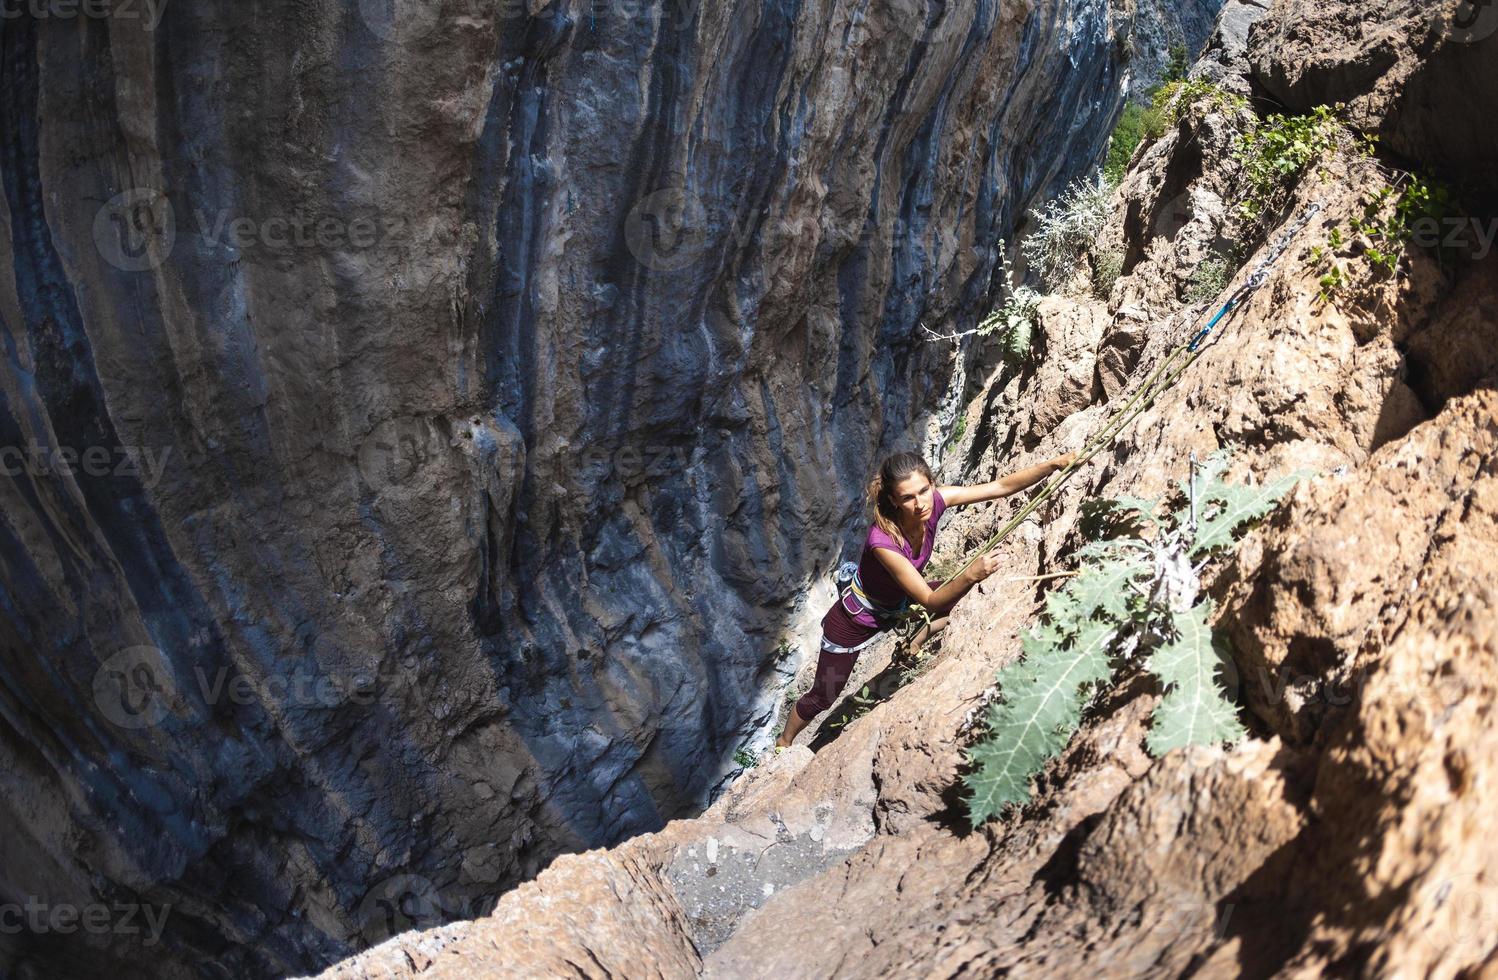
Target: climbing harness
1163,377
831,647
884,616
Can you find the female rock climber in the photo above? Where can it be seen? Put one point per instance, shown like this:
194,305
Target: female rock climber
907,506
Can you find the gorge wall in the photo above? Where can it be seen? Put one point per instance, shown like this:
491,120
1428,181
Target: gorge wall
1349,832
421,419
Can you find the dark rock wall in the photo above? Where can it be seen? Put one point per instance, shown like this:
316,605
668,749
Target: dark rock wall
419,423
1150,29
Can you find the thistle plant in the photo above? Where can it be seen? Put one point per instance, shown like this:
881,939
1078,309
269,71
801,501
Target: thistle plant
1133,602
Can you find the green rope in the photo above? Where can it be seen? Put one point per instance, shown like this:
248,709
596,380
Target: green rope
1142,399
1133,408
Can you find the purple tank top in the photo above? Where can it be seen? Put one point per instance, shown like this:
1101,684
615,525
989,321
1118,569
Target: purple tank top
878,583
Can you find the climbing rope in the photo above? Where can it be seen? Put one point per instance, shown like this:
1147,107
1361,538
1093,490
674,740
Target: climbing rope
1163,377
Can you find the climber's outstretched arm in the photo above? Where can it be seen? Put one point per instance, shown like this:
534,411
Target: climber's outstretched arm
1004,486
920,591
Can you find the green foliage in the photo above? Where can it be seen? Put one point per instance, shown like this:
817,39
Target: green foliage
1162,108
1422,197
1383,232
1105,518
1178,65
1172,100
1043,707
1395,210
913,667
1393,214
1016,321
863,703
1106,270
1133,601
957,430
1208,280
1223,509
1020,316
744,758
1066,228
1193,710
1136,124
1279,149
1331,283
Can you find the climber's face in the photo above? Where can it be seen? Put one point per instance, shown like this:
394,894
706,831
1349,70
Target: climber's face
914,498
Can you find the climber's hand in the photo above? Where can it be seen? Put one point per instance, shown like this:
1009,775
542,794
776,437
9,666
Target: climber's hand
982,567
1062,462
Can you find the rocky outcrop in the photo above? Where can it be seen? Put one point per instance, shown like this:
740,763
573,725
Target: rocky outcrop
1347,834
1416,72
422,419
1224,58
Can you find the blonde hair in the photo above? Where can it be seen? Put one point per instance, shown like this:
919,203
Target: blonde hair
882,488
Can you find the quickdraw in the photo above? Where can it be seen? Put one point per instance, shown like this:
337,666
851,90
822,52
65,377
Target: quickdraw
1256,279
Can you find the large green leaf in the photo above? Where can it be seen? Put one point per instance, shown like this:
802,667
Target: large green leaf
1111,549
1070,652
1042,697
1224,509
1105,587
1195,709
1062,611
1207,473
1020,336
